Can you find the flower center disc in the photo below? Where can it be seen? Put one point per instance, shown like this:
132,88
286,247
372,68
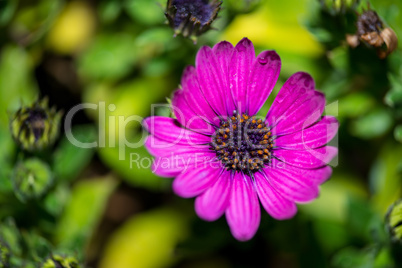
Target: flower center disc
242,143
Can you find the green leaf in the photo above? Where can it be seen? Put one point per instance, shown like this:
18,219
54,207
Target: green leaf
355,104
8,8
16,83
128,99
352,257
56,200
134,167
83,213
384,259
147,12
11,235
69,159
385,177
339,59
331,235
360,216
398,133
6,161
38,247
394,220
33,21
332,204
370,257
394,95
109,10
111,56
375,124
146,240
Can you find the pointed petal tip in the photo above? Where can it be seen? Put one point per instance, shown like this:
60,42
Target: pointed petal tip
245,40
203,52
222,44
189,72
244,44
331,120
331,153
303,78
271,54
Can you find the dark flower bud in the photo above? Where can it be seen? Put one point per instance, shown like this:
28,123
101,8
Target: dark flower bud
35,127
4,255
369,22
394,221
371,30
390,40
58,261
31,179
191,18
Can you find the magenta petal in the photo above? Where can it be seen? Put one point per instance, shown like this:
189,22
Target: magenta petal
168,129
312,177
194,181
211,80
211,204
264,74
223,53
195,97
274,203
319,175
290,186
239,72
307,159
160,148
292,93
310,138
243,214
167,171
186,115
299,115
174,164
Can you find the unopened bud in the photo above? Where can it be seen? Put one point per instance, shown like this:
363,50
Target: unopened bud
371,30
58,261
31,179
4,255
390,40
394,221
35,127
191,18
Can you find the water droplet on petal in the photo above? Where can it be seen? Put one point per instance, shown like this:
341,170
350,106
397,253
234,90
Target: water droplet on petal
279,98
306,82
263,60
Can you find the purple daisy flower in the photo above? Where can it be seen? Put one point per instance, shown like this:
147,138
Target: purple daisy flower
225,156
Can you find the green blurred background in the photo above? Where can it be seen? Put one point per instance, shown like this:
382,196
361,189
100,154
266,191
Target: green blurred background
107,214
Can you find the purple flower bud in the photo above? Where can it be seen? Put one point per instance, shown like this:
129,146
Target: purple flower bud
191,18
